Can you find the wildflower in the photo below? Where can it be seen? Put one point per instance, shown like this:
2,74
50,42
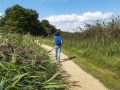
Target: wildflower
28,57
10,37
21,50
30,51
9,45
4,49
33,47
19,60
38,57
31,74
7,58
47,76
37,62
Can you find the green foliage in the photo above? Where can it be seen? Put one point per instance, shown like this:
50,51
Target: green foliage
97,50
90,56
2,21
20,20
48,27
25,65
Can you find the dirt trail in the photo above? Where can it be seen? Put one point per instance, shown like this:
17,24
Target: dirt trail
83,79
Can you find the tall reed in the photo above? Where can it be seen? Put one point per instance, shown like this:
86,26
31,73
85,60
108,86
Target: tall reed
26,66
99,42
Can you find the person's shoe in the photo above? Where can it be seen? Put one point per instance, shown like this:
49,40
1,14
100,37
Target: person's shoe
58,60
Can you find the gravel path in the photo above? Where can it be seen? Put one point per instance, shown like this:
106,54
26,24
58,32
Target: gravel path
83,79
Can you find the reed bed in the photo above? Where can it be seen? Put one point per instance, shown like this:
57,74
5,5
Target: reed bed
26,66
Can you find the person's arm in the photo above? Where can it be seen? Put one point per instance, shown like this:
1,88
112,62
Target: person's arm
61,41
53,41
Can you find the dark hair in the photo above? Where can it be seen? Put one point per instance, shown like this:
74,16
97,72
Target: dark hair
57,33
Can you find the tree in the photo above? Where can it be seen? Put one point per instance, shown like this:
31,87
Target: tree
50,29
2,21
21,20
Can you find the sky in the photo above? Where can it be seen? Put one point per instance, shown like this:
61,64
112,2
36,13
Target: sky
67,15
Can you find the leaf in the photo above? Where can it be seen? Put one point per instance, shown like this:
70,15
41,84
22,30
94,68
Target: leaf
1,65
43,67
57,86
14,57
2,85
27,88
34,76
8,69
55,75
18,78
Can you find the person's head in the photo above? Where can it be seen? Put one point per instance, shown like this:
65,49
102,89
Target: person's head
57,33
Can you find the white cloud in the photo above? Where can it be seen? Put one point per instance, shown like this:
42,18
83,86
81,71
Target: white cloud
69,26
94,16
62,18
1,14
69,22
84,17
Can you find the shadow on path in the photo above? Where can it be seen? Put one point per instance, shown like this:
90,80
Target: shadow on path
66,59
50,50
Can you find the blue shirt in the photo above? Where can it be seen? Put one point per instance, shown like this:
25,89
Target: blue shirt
55,39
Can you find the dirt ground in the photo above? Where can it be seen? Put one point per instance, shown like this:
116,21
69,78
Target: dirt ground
84,80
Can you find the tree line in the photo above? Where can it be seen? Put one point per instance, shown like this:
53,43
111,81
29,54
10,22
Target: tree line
20,20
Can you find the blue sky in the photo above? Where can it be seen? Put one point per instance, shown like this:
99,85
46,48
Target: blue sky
68,14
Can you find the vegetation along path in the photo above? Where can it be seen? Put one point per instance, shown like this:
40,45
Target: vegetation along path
82,79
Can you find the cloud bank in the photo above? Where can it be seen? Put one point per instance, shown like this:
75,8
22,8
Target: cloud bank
69,22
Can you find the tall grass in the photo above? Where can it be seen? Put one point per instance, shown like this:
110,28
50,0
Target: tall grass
26,66
97,50
99,44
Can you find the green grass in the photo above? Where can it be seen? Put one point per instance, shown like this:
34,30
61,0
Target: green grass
100,61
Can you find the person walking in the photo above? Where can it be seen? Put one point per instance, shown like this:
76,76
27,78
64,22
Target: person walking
57,41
